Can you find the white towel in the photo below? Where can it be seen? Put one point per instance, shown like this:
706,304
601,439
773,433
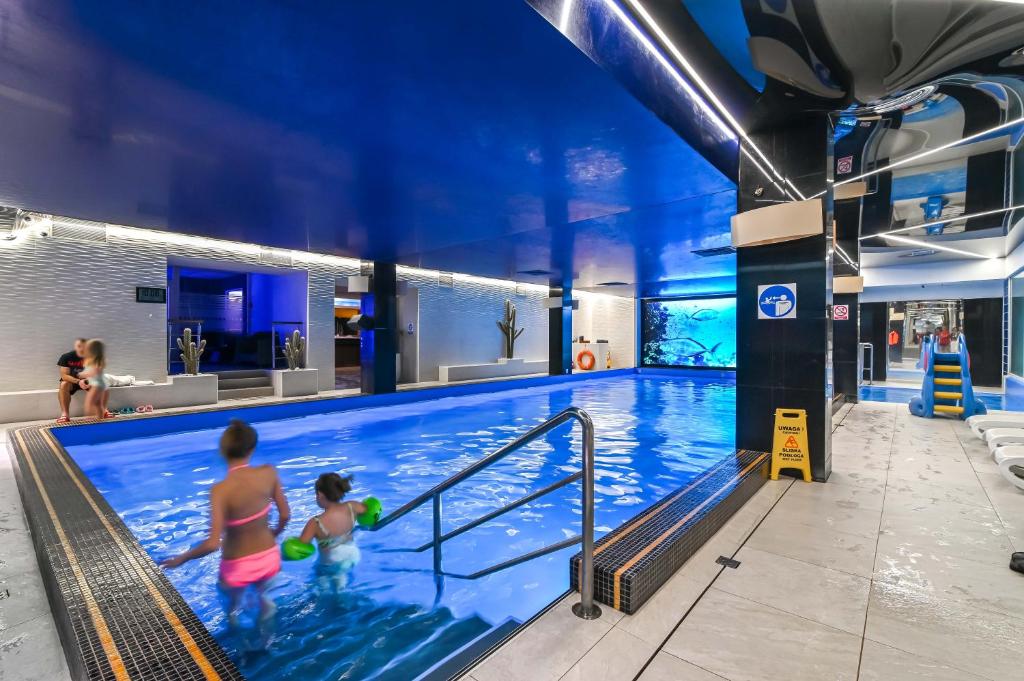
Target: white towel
119,381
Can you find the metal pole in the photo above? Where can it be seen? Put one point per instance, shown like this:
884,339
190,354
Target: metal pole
437,533
586,608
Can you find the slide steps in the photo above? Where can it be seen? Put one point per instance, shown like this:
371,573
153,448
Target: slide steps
946,388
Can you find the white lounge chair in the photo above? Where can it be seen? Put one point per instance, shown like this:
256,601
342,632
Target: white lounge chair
1011,456
1001,437
982,422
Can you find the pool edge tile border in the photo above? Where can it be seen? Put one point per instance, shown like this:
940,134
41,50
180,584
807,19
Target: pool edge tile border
632,561
66,514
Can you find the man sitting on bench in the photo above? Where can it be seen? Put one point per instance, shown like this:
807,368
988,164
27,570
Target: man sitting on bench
71,364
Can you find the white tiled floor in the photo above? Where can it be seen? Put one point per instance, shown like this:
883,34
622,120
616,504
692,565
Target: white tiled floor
895,570
29,647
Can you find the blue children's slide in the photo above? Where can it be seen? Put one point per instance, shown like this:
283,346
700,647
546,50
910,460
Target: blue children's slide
947,385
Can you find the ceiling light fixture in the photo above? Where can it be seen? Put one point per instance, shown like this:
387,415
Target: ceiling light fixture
925,244
925,154
943,222
736,128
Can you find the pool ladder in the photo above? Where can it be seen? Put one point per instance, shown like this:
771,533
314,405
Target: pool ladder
586,608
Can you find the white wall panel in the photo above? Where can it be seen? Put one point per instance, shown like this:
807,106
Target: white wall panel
457,323
611,318
52,290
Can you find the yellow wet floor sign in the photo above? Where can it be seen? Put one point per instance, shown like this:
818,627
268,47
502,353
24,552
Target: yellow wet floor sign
789,446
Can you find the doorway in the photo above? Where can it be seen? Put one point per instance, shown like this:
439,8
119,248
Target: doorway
347,369
245,317
910,322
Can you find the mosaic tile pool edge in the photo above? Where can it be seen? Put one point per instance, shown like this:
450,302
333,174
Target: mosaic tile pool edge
634,560
117,615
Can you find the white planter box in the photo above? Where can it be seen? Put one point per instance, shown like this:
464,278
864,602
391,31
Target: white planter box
500,369
294,382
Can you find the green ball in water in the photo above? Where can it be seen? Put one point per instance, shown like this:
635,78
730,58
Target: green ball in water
295,549
372,514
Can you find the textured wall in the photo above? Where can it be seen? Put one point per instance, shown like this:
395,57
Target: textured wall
457,323
83,283
610,318
52,290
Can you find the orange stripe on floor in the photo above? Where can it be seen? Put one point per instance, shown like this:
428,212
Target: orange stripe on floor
98,621
186,638
664,535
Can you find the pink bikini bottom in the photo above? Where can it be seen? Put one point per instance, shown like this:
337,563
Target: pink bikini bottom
256,567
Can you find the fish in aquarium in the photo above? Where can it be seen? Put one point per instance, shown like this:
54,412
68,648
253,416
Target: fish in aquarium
698,333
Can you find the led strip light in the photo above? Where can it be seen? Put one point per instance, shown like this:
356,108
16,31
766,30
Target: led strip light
937,247
735,127
942,222
925,154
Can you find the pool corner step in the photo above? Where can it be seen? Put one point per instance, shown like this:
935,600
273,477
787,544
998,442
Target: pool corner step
634,560
468,654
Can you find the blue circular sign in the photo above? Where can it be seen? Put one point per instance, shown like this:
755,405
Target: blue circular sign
777,301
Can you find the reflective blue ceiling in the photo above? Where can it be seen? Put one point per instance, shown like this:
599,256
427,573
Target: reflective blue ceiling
468,136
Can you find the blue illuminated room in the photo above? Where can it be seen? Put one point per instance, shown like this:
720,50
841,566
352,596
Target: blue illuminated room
639,340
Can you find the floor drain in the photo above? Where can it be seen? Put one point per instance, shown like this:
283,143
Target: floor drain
728,562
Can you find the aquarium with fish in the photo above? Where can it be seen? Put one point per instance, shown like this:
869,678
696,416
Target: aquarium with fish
689,332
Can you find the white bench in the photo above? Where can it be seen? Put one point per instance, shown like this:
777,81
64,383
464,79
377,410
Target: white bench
500,369
178,391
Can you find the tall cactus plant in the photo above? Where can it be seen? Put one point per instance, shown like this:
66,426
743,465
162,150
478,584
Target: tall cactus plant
190,352
508,327
295,351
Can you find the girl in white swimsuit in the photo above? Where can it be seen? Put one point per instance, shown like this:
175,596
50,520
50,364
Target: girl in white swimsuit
333,528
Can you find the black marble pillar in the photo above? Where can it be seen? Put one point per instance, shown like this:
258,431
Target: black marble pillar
846,262
983,331
560,333
845,346
874,329
379,346
786,363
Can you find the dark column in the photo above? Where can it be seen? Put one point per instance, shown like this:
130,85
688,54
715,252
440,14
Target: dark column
874,329
560,333
846,262
378,346
845,346
983,330
786,363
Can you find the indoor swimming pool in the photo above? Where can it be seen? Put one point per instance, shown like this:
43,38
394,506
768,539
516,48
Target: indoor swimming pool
884,393
394,621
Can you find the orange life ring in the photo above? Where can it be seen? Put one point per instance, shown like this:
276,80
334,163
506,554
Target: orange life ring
585,354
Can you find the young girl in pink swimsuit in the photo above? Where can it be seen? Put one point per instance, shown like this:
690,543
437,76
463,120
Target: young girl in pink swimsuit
239,508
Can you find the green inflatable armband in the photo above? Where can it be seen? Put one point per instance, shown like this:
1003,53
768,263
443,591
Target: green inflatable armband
294,549
372,514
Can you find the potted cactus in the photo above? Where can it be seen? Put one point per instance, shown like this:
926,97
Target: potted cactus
508,328
295,351
296,380
190,352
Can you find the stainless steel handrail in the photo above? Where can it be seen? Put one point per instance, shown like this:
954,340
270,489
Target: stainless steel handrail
870,368
586,608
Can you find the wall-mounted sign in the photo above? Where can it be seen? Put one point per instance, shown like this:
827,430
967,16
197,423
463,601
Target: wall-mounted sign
844,166
776,301
841,313
150,294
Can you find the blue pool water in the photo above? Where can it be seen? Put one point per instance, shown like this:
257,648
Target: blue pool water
654,433
881,393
